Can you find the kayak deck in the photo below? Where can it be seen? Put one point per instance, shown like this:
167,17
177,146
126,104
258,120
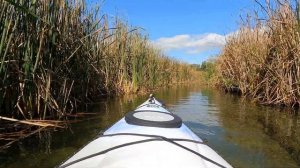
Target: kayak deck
134,146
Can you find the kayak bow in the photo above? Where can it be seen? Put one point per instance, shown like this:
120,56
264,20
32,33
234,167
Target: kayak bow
149,136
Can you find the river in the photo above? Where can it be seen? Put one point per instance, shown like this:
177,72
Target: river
244,134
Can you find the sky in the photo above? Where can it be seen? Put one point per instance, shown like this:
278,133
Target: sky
191,31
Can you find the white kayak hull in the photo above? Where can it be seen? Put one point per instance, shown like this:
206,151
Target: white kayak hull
144,147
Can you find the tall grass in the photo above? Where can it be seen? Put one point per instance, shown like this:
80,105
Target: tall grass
55,55
263,58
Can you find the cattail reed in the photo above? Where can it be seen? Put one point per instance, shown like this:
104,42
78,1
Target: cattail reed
56,55
263,58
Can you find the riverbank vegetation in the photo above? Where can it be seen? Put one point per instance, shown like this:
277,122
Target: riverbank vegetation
56,55
208,72
262,59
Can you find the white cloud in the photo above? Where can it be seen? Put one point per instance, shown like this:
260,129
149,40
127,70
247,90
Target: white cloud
191,44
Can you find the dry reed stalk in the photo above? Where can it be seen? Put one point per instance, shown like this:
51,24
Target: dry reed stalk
56,55
40,123
263,61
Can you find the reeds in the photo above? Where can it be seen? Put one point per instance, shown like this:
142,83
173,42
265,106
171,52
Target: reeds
55,55
263,58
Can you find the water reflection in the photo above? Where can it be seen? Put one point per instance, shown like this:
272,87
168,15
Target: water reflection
245,134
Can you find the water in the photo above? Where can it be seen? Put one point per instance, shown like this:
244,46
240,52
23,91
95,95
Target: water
244,134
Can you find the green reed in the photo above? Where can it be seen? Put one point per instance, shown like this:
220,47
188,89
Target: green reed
56,55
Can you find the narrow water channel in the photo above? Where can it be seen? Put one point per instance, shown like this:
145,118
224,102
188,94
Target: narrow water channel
244,134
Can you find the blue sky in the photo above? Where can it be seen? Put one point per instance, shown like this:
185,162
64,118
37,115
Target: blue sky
187,30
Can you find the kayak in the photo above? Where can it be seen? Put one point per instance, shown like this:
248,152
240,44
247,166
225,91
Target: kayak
149,136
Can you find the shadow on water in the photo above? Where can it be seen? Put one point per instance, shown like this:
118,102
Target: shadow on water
50,148
246,135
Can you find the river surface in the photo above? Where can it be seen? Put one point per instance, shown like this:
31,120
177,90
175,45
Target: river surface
244,134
